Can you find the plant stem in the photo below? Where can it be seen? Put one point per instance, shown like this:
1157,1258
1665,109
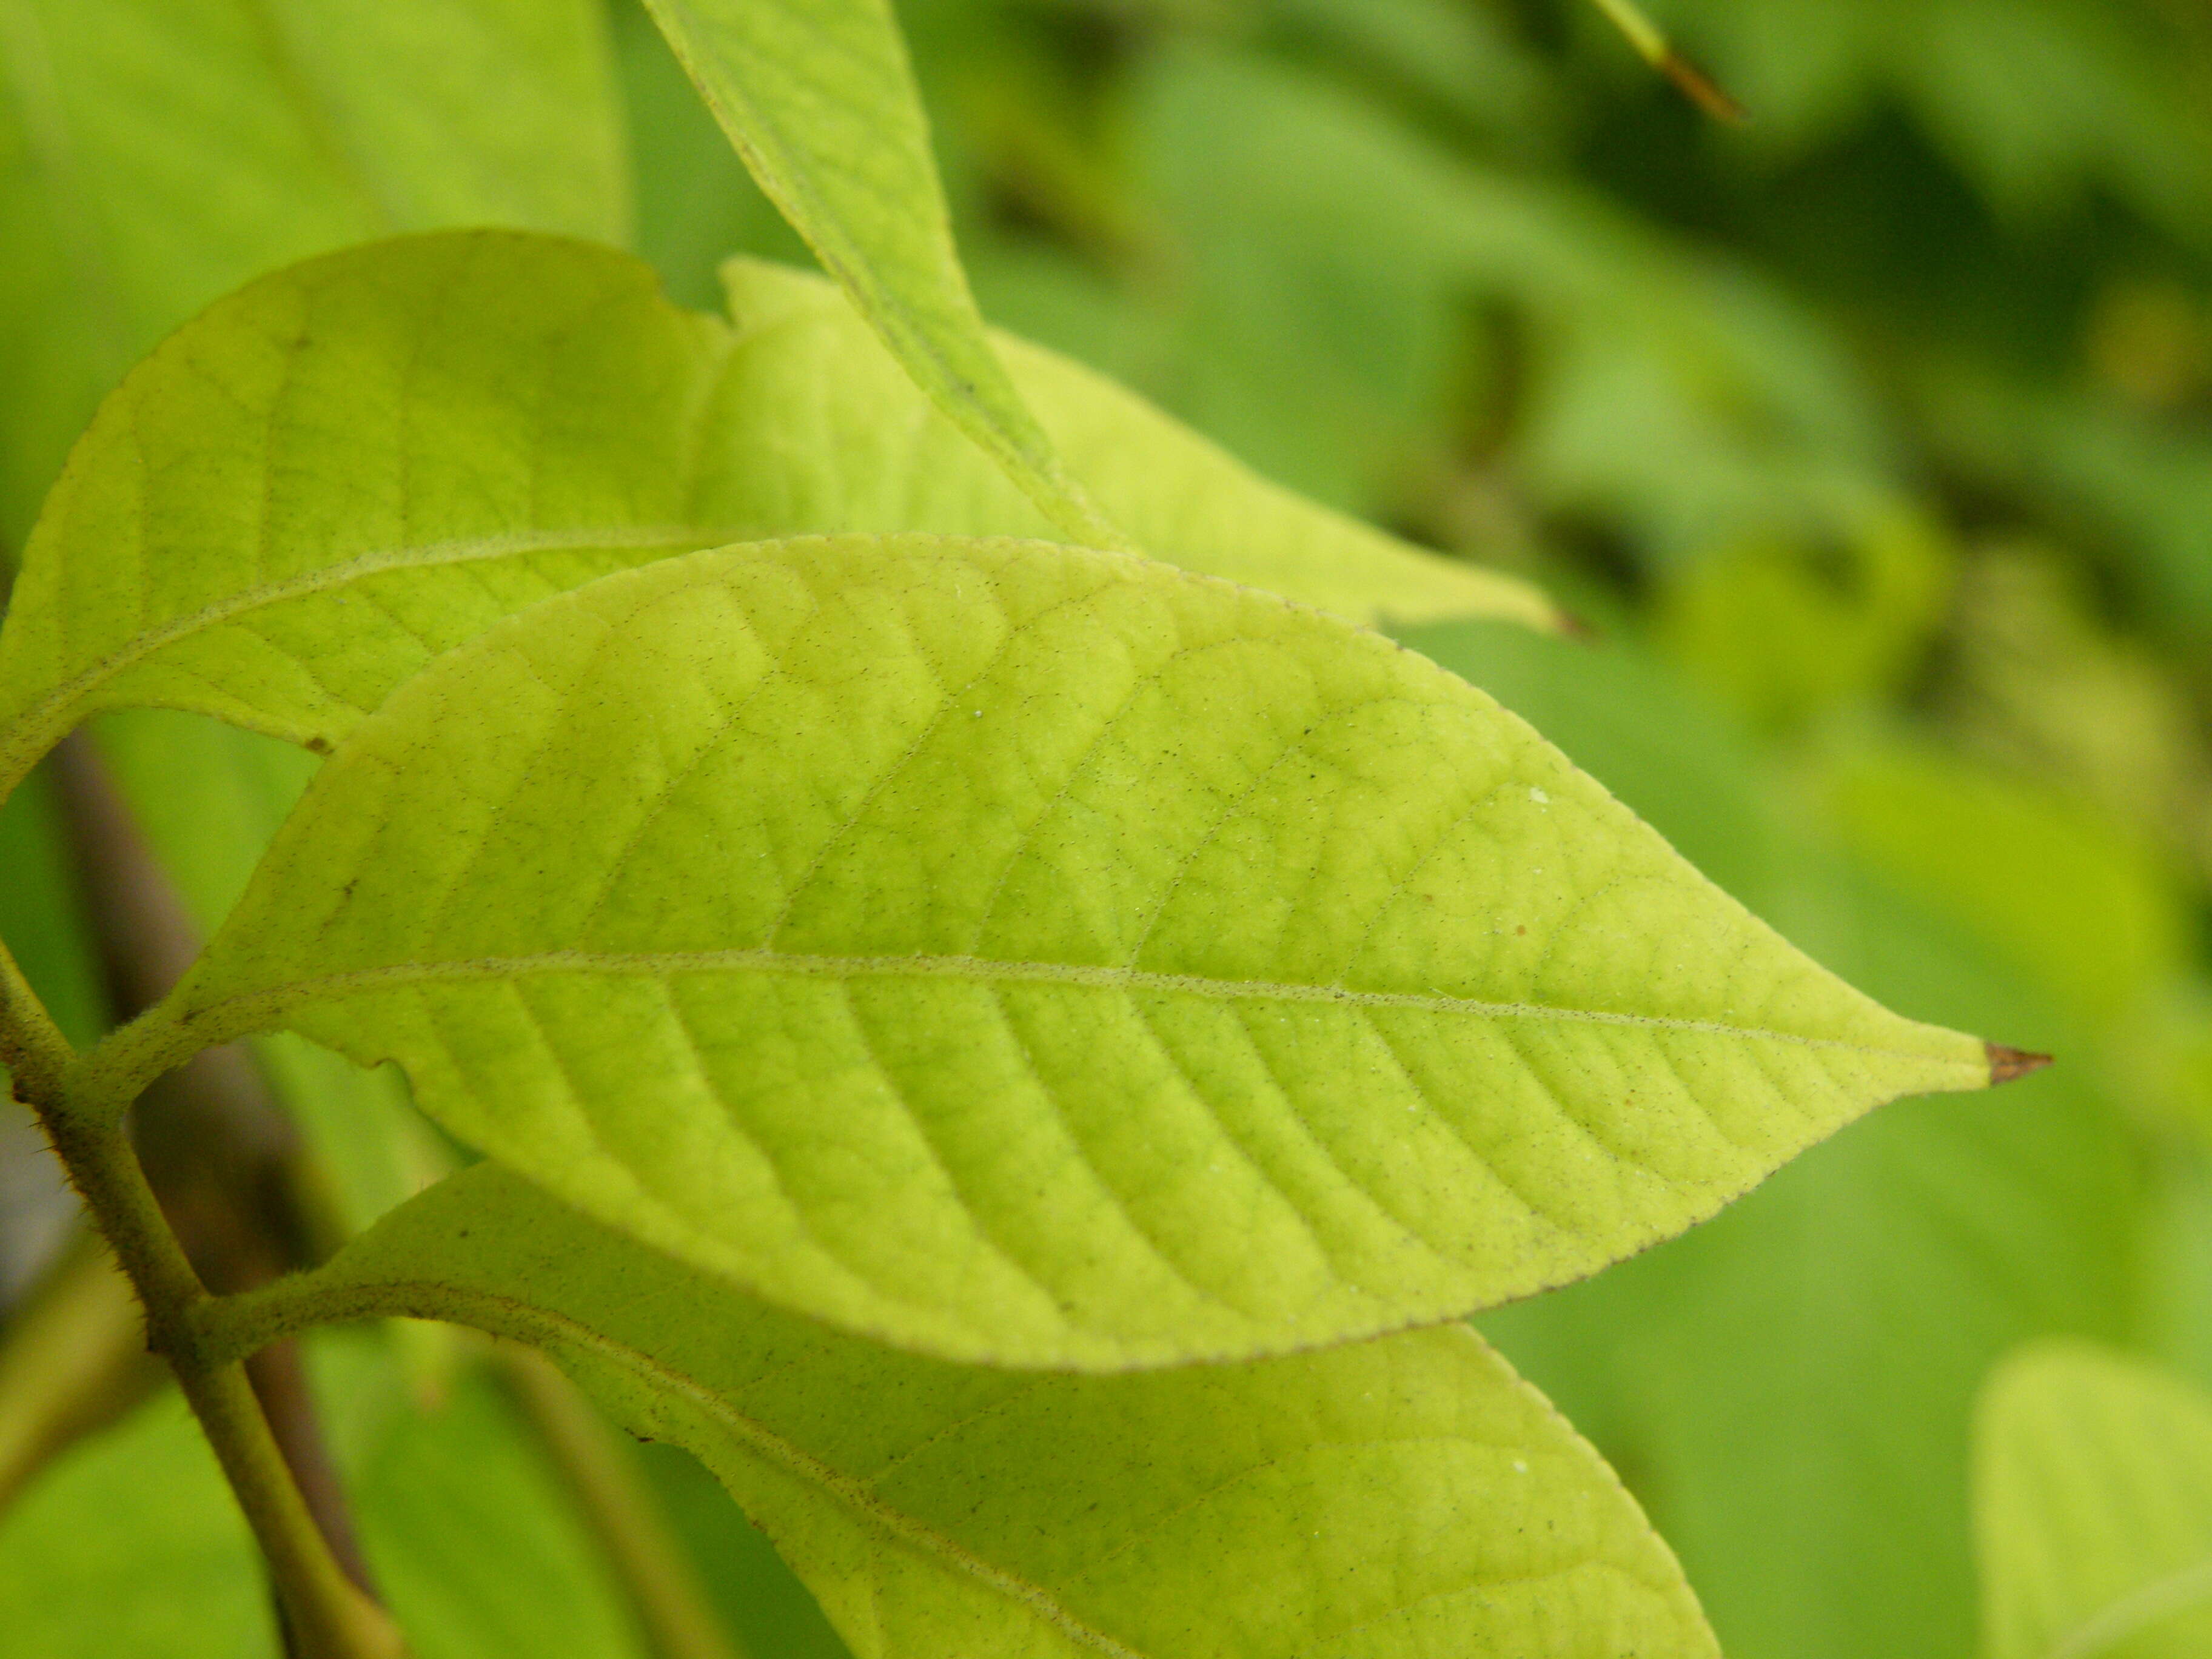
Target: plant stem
37,1055
329,1616
221,1159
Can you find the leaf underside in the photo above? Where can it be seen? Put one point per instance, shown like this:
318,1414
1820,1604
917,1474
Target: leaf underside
1399,1498
1036,956
326,122
352,465
820,100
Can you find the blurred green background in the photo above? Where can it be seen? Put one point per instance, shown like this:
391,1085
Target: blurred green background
1872,439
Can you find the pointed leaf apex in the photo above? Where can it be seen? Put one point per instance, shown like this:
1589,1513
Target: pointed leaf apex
1701,89
2008,1065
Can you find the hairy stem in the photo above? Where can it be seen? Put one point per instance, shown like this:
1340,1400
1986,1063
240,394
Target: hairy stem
147,941
648,1559
221,1157
328,1616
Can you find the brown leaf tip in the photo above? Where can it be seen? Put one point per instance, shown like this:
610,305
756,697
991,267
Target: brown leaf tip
1572,627
1702,89
2008,1065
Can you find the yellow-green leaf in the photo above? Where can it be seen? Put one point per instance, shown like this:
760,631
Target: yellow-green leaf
1035,955
1404,1497
353,465
818,98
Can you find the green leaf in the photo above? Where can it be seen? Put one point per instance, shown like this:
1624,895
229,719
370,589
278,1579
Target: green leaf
133,1544
207,798
874,458
352,465
819,98
154,156
1408,1496
2093,1508
2094,913
472,1538
1789,1388
1035,955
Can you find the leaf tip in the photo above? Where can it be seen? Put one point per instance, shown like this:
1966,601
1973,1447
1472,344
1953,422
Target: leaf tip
1701,89
2010,1065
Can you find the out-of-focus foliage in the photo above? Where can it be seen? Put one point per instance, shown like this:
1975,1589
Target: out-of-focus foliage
1876,438
2093,1508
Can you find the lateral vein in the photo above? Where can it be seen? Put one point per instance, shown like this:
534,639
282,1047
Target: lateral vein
62,699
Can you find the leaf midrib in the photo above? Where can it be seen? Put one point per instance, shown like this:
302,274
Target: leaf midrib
526,1320
32,728
530,1322
237,1015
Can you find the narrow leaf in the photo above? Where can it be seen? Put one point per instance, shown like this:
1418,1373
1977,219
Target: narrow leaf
1035,955
1409,1496
818,98
349,466
2093,1508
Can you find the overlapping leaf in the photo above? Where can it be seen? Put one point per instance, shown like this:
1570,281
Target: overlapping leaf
152,155
1035,955
821,432
818,98
1404,1497
2092,1498
352,465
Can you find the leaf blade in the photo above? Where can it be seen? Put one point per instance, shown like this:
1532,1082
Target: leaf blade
348,466
1308,1506
1104,902
820,100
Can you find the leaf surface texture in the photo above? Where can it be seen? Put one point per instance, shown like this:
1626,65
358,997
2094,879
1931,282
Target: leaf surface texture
1036,955
1401,1498
349,466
